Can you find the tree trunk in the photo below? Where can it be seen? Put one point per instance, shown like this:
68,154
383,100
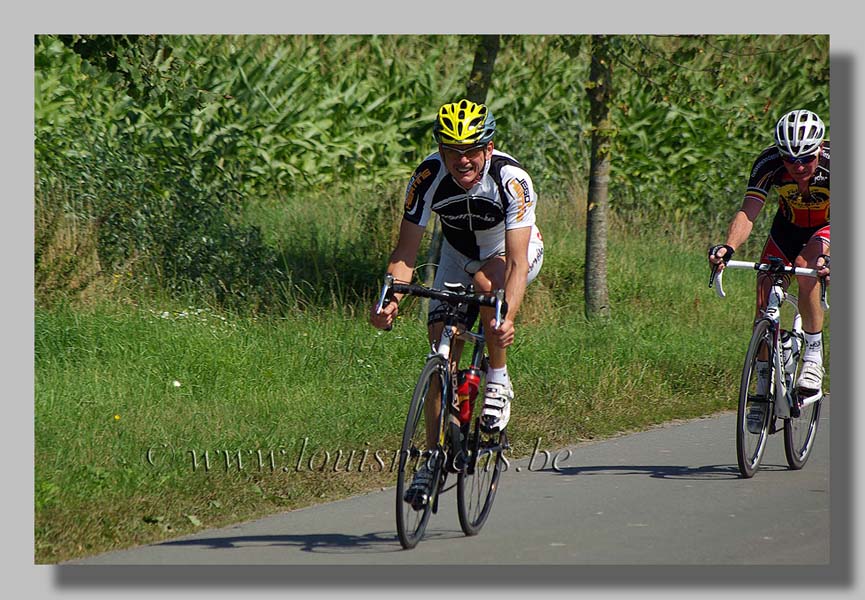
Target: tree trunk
476,90
482,69
600,98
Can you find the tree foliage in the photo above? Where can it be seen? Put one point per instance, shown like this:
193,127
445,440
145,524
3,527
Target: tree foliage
161,140
693,112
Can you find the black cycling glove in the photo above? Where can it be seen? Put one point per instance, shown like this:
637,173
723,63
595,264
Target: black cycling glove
713,251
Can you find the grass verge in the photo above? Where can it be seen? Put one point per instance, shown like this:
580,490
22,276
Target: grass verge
155,419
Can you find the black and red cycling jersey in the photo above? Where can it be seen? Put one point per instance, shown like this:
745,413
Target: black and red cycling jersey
809,210
799,216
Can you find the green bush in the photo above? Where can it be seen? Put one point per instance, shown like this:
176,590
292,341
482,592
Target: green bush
157,205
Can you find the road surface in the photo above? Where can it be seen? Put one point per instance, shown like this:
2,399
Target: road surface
671,495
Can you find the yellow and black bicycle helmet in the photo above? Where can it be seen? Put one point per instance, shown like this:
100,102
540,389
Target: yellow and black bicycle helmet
464,122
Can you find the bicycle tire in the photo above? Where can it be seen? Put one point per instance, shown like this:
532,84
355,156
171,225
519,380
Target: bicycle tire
410,523
800,432
478,482
750,446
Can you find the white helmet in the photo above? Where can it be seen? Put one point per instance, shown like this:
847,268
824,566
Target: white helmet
799,133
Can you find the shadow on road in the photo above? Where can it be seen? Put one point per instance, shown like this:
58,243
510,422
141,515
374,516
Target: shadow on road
335,543
709,472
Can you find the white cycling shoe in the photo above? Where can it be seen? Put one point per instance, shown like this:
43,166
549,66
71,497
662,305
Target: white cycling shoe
497,407
810,383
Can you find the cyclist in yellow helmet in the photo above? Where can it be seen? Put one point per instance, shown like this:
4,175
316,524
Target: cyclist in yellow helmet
486,203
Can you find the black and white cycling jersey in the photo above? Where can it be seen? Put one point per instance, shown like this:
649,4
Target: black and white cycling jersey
473,221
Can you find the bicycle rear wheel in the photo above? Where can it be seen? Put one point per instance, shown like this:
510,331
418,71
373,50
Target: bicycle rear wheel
416,453
751,445
800,432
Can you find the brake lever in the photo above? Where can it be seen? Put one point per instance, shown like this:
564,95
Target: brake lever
823,303
501,307
717,279
388,283
385,290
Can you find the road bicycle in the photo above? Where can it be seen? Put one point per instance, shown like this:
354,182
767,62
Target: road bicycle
772,393
448,419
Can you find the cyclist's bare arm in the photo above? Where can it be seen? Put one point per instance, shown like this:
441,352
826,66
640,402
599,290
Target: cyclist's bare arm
740,227
513,269
401,266
516,269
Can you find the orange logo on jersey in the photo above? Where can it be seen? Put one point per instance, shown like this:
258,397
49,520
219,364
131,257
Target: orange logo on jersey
411,191
520,188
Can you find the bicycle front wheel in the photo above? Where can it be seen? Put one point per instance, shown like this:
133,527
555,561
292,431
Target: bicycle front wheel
479,480
416,453
751,437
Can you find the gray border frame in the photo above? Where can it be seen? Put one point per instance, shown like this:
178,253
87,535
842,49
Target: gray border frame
667,16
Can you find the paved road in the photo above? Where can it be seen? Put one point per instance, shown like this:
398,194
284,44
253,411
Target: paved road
667,496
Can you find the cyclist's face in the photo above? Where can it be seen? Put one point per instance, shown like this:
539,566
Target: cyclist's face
466,163
802,170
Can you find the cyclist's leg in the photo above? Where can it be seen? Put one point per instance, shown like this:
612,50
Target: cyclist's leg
771,249
450,270
809,288
490,276
775,247
811,377
498,391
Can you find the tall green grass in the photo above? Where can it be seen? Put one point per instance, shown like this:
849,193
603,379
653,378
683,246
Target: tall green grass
154,144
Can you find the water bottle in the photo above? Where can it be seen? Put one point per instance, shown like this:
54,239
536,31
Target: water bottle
468,382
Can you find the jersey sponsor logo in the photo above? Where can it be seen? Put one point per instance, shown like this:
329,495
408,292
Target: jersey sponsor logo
520,189
453,218
804,210
413,184
767,156
538,257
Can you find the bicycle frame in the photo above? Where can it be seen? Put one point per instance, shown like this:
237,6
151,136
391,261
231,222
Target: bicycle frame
783,398
454,440
451,330
777,296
